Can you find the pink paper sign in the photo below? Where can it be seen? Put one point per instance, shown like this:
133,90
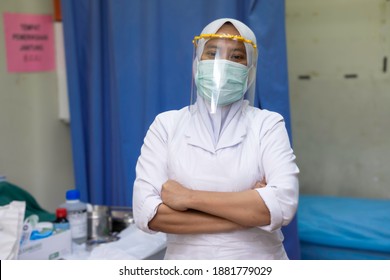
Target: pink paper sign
29,42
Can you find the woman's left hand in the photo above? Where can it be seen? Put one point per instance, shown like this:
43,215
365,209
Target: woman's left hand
175,195
260,184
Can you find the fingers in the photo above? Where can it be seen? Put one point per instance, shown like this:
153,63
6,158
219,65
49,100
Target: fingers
174,195
260,184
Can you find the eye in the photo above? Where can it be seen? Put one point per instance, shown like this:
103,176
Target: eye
211,54
238,57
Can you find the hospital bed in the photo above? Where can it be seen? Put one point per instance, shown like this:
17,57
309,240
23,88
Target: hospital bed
336,228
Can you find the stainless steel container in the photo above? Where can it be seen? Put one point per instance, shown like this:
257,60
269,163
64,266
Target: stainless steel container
99,222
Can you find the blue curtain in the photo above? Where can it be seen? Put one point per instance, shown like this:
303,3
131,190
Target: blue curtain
127,61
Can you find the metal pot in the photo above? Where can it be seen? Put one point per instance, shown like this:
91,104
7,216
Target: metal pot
121,218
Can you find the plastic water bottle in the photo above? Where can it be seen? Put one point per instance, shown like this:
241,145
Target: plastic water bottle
77,216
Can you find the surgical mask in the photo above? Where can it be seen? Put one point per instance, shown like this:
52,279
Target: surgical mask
221,82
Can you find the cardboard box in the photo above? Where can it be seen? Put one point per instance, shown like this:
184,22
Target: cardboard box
49,248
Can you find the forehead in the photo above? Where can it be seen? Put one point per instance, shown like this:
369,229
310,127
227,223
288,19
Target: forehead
221,43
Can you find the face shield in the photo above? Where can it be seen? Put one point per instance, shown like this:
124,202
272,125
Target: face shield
224,70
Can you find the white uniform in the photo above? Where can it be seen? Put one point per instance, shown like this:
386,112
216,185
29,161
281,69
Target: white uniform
252,144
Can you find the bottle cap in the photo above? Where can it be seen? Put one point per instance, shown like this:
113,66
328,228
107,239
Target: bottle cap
72,195
61,212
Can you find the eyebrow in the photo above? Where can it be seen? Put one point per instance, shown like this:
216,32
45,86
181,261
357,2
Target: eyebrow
240,49
210,46
215,46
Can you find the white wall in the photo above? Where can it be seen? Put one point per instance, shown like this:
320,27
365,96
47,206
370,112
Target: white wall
341,127
35,147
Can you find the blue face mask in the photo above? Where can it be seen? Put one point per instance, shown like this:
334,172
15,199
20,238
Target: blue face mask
221,82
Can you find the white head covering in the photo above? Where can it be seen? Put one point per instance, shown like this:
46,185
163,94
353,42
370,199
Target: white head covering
218,121
244,31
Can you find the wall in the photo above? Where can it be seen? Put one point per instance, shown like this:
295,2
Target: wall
340,95
35,148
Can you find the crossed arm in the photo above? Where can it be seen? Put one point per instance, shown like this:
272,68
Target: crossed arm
186,211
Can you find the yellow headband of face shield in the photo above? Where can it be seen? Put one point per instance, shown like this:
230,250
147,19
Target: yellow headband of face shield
223,36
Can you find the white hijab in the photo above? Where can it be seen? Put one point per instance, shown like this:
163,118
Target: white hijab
244,31
218,121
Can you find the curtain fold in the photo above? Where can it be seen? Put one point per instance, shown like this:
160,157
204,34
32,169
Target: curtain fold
127,61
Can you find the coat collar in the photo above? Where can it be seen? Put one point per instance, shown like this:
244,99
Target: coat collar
233,132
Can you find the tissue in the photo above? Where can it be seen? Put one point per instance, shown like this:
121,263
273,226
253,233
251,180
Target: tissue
11,223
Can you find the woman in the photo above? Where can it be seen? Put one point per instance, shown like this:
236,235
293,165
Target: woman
219,177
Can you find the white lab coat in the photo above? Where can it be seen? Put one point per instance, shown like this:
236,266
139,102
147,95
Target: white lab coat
254,144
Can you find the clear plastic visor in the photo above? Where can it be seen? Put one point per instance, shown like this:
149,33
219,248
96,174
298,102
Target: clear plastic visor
224,70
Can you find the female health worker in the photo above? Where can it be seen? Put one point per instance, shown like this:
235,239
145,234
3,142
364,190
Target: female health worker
219,176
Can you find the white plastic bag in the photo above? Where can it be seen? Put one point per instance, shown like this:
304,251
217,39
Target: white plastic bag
11,223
